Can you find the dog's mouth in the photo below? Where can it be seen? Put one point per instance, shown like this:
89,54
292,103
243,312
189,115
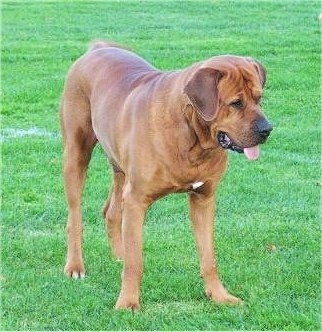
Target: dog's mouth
226,143
252,153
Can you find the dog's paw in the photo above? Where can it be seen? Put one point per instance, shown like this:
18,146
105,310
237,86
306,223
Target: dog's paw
75,270
127,303
221,296
227,299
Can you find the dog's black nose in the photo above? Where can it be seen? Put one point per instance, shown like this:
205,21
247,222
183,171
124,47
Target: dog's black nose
263,128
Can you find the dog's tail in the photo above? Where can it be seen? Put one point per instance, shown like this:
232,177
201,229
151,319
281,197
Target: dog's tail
99,44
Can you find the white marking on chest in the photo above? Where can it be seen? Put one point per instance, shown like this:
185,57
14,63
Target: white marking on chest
197,185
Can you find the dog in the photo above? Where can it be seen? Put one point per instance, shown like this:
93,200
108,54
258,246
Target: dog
163,132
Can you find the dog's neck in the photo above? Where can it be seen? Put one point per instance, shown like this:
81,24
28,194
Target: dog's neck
204,143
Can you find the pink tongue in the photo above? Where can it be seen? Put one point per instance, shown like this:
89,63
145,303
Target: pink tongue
252,153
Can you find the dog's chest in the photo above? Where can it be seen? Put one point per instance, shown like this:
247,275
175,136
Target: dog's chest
187,176
188,179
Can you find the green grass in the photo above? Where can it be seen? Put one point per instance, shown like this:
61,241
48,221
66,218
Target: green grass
271,202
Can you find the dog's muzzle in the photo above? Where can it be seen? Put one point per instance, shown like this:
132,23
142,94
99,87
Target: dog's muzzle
262,130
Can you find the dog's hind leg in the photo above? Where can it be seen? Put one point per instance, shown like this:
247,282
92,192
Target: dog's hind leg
79,141
112,212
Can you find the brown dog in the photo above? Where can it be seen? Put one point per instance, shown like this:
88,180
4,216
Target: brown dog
163,132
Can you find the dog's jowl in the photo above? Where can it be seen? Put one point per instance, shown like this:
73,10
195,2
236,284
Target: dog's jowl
163,132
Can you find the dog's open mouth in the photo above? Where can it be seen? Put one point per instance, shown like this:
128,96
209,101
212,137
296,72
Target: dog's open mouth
225,142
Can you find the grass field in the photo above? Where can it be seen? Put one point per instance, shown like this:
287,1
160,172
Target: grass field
268,228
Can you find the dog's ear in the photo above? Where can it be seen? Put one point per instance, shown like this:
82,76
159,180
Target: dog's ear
261,71
202,90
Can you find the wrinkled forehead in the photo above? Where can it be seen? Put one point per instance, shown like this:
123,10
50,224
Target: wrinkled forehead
241,80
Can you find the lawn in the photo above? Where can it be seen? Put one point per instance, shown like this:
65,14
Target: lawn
268,227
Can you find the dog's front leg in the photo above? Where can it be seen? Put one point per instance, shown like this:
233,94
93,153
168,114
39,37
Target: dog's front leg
134,209
202,217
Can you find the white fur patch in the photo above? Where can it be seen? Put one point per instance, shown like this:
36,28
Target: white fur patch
197,185
76,275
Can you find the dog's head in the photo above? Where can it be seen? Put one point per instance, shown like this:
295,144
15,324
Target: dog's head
226,92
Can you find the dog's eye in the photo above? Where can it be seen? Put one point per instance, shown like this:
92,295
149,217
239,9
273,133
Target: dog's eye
238,104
